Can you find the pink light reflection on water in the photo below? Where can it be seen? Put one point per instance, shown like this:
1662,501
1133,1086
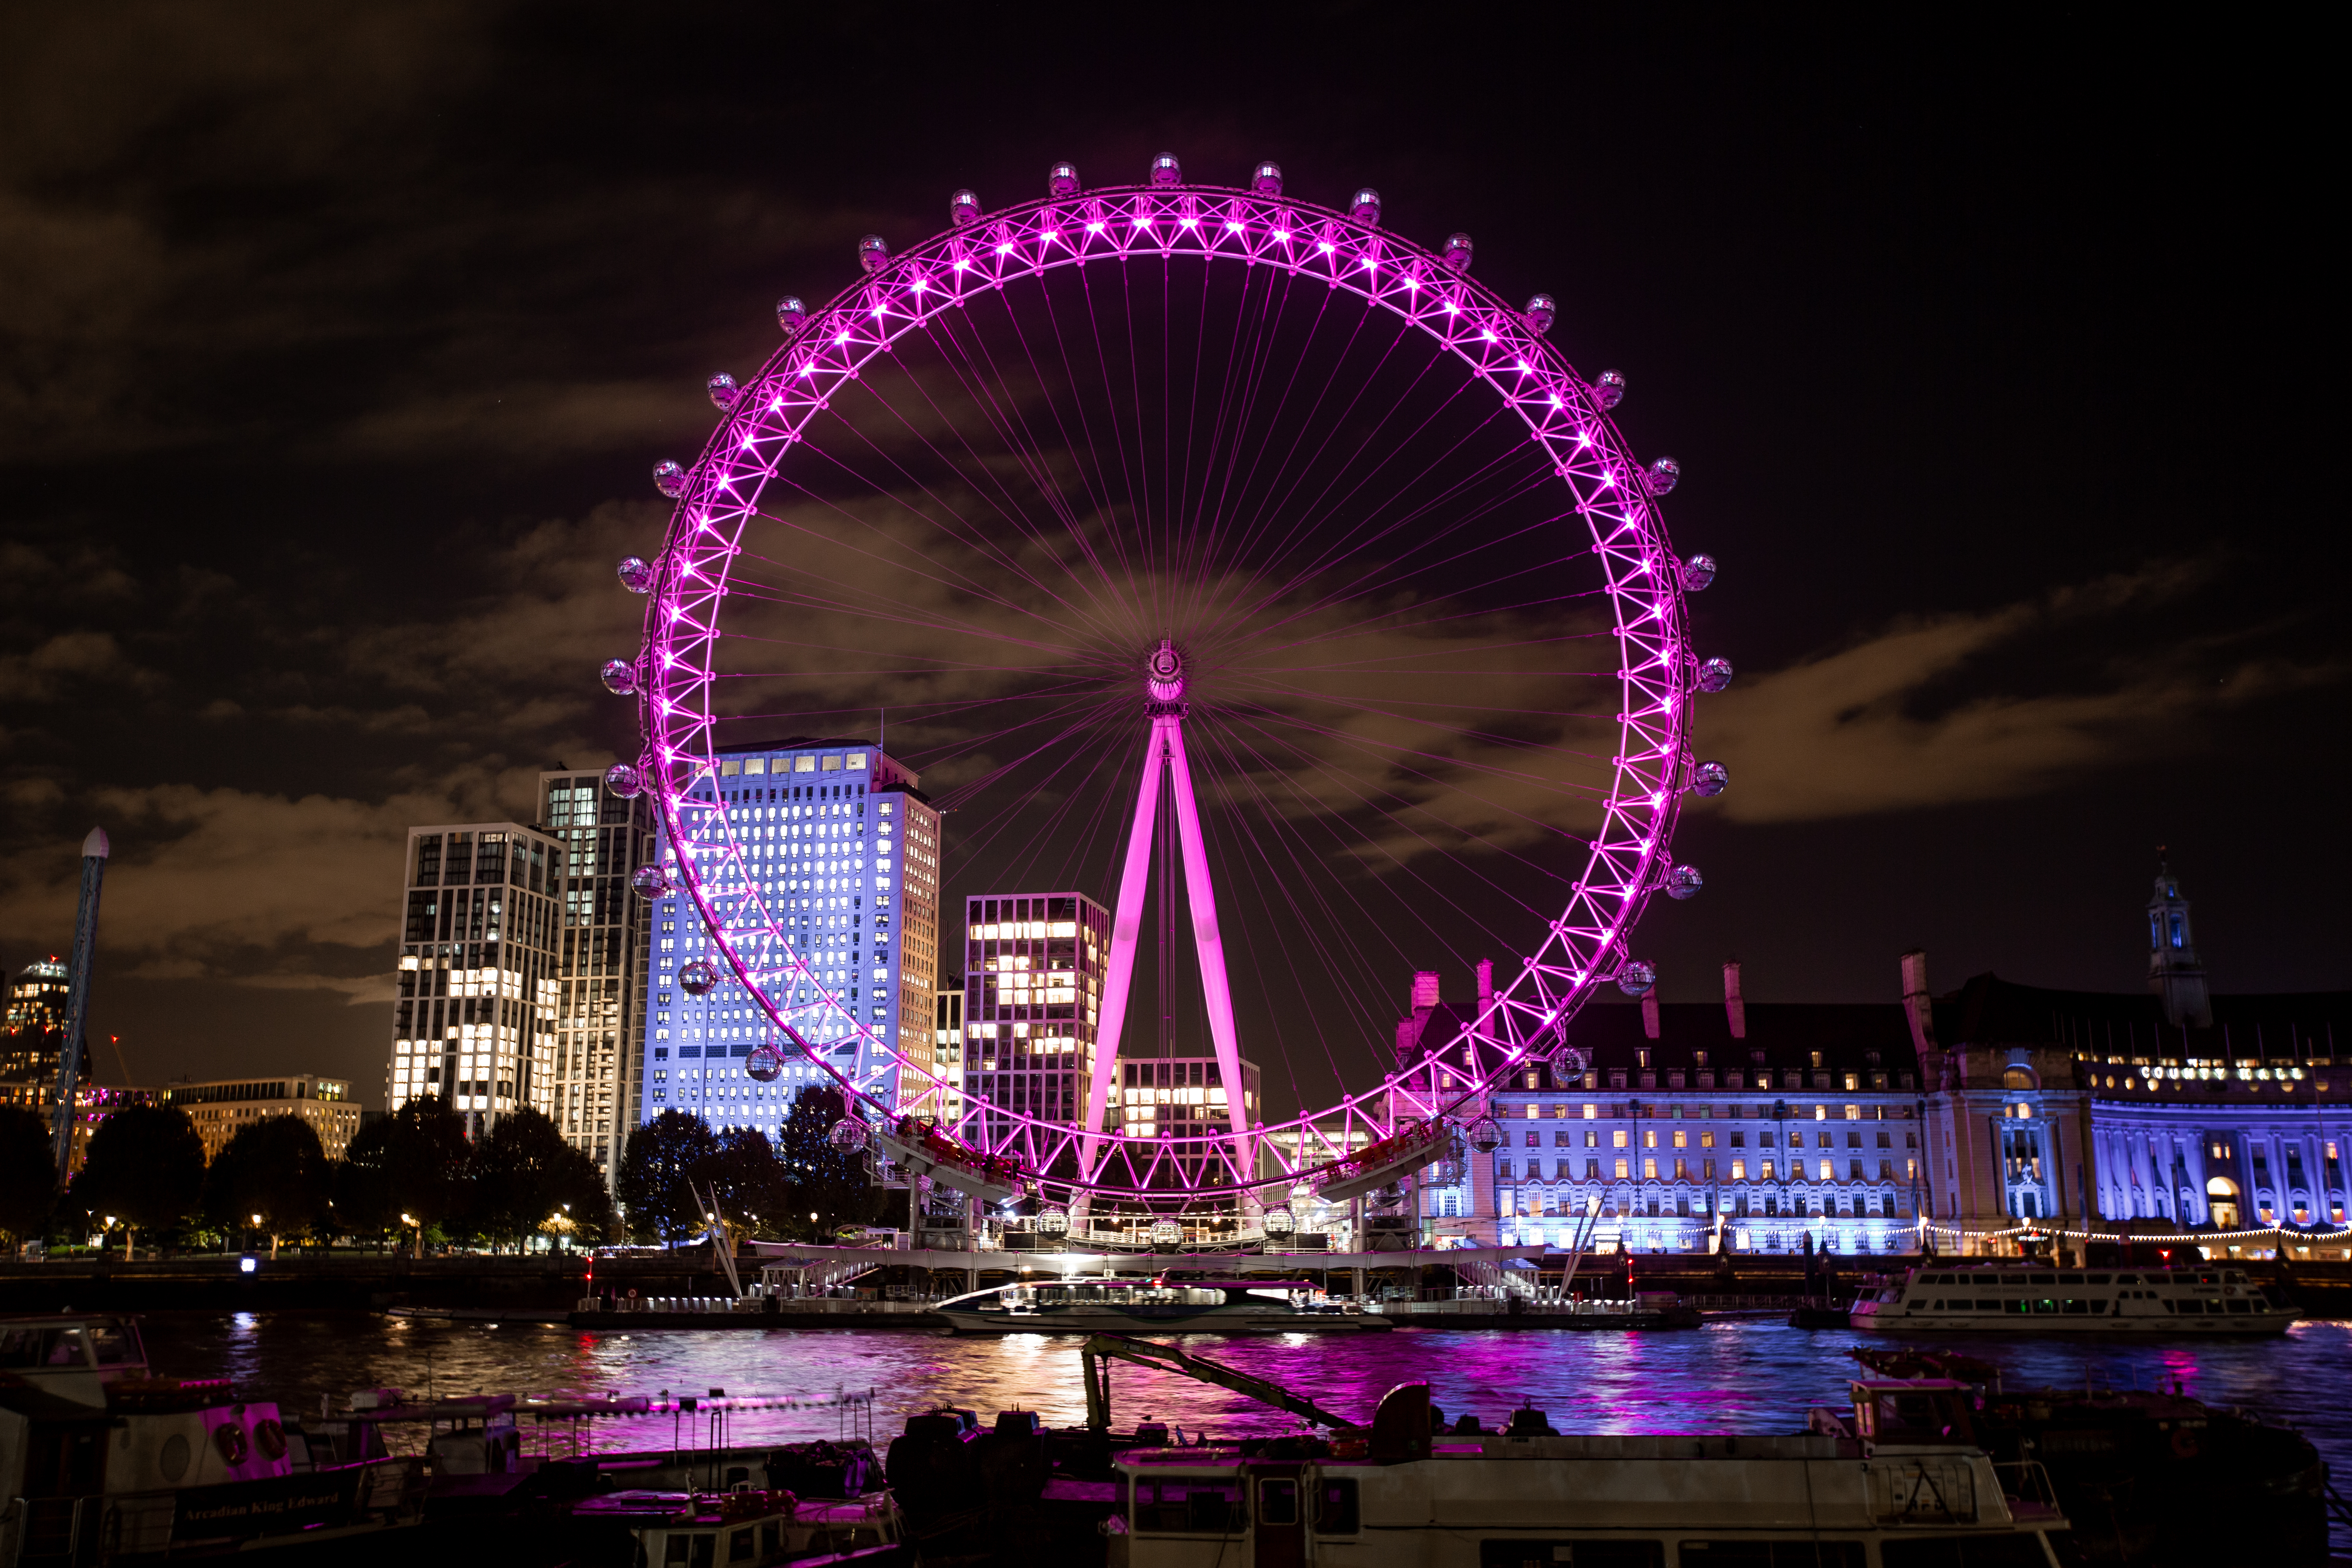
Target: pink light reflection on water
1731,1376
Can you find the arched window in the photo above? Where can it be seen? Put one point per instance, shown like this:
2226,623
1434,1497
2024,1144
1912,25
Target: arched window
2019,1077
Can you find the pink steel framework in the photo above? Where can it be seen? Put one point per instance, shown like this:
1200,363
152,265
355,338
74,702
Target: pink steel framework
1401,1118
1164,748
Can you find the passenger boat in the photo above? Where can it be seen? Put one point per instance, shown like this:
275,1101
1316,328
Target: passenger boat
1888,1489
2029,1298
1153,1305
101,1461
746,1528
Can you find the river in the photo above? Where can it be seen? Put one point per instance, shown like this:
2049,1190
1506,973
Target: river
1733,1375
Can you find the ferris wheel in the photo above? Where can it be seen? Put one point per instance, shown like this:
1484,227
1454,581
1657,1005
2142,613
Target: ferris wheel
1174,522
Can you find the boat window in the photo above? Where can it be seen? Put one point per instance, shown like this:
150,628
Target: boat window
2187,1304
114,1343
2022,1550
1985,1305
26,1346
1771,1553
2127,1279
691,1550
1278,1500
738,1546
2042,1280
1196,1505
2075,1304
1578,1553
2098,1279
2238,1305
1335,1507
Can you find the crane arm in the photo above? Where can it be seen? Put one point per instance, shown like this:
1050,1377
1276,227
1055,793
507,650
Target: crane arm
1101,1349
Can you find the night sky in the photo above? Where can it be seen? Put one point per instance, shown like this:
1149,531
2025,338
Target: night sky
339,341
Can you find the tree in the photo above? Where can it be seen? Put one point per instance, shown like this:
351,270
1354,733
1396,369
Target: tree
272,1175
28,1171
749,1184
145,1166
665,1157
409,1170
524,1173
825,1181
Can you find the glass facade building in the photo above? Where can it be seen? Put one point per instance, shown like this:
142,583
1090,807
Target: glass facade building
1033,970
596,1082
841,850
474,1018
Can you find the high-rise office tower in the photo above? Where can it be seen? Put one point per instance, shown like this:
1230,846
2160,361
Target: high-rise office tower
1034,966
945,1103
597,1080
36,1029
474,1017
839,847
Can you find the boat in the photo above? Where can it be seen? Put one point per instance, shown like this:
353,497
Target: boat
2205,1301
1110,1304
744,1528
2145,1475
1891,1487
102,1461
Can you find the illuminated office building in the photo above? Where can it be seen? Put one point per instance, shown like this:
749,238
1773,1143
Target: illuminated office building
596,1082
1033,969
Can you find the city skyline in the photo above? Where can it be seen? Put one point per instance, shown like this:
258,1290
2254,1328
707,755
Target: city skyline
1982,675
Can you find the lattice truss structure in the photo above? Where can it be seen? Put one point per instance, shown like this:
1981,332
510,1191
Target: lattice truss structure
1386,1129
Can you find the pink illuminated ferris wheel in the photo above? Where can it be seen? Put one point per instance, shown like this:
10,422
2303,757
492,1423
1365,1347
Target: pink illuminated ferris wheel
1205,542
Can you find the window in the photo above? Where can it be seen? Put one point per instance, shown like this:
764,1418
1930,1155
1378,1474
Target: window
1622,1171
1771,1553
1595,1554
1189,1505
1335,1507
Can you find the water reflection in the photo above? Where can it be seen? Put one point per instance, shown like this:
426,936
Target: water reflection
1731,1376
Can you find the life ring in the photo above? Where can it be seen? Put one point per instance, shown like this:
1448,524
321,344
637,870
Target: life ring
269,1437
2184,1443
231,1441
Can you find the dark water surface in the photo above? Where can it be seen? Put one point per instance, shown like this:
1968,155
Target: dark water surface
1730,1376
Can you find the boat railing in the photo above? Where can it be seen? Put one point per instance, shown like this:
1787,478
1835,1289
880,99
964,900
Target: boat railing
2026,1484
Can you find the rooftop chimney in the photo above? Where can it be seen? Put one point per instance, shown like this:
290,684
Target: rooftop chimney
1735,1005
1918,1008
1650,1012
1485,983
1424,989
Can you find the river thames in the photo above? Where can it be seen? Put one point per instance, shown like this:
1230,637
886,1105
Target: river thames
1732,1375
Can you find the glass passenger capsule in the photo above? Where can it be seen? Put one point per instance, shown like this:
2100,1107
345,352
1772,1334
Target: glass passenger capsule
1266,178
1484,1135
963,209
653,881
723,391
1569,1061
766,1064
848,1135
1280,1222
1715,675
1664,476
1697,572
1364,207
1541,310
620,677
873,253
1167,171
697,977
1684,882
669,479
791,316
1062,180
1166,1233
637,574
1456,254
1637,977
1608,389
1054,1221
1710,779
625,780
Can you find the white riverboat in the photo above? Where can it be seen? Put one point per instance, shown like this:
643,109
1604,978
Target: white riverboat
1887,1491
101,1461
1093,1306
2204,1300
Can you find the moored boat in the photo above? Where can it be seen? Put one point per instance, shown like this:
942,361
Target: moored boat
102,1461
2201,1299
1113,1305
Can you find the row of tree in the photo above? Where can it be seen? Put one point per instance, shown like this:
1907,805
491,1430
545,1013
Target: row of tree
417,1173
